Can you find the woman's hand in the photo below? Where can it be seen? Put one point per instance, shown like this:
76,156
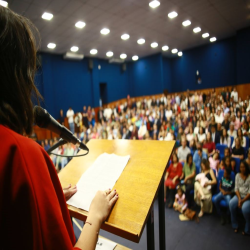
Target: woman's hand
69,191
102,204
240,203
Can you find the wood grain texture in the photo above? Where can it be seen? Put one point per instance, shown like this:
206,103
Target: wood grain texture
137,185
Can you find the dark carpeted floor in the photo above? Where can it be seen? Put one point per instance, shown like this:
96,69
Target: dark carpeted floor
207,234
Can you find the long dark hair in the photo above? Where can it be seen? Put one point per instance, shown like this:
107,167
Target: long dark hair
17,70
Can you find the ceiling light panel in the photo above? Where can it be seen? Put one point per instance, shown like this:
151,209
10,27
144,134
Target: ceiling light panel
80,24
197,29
205,35
186,23
47,16
51,45
154,45
180,53
213,39
109,54
172,14
135,58
123,56
105,31
174,51
125,36
4,3
154,4
141,41
93,51
74,48
165,48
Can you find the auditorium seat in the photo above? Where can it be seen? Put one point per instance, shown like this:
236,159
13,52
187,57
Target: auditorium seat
237,164
232,141
221,148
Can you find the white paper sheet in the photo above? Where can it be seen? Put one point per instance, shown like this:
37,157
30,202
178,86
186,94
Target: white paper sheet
103,244
101,175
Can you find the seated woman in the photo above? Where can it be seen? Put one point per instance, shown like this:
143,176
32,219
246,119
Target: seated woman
241,138
238,151
209,145
190,135
225,139
172,179
188,173
203,190
241,200
201,135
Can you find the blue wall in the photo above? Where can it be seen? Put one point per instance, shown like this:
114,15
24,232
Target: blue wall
70,83
243,56
215,62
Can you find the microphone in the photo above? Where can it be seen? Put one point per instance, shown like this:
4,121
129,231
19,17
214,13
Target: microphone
44,120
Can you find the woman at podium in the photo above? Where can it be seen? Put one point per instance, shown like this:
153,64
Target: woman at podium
33,211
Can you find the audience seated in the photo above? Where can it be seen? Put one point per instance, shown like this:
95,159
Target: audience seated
209,145
183,150
203,188
238,151
241,200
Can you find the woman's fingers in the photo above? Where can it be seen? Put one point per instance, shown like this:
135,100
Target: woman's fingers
111,195
114,199
108,191
67,187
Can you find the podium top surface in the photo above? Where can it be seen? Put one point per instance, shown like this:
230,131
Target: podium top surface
137,186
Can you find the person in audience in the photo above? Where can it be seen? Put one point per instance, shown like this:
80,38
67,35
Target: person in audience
203,188
180,203
183,150
199,154
46,145
188,176
212,123
70,116
225,139
231,132
214,162
226,122
241,138
172,179
61,117
190,135
201,135
238,151
85,117
215,136
245,129
226,190
241,200
236,122
180,134
234,95
209,145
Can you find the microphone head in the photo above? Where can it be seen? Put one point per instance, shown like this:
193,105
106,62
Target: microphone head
41,117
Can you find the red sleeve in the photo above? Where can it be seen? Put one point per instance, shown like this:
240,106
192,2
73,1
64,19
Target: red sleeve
213,146
33,210
169,168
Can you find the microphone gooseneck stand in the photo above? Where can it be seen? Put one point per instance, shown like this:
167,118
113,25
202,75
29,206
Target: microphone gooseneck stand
60,143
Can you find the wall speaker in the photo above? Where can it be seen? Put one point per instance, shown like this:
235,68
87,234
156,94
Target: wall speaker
91,64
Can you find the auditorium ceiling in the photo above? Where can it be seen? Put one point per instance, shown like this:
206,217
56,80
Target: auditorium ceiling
219,18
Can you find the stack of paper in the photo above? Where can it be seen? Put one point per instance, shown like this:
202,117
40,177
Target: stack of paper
101,175
103,244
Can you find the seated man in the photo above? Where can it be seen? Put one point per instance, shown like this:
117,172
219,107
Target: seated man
183,150
199,154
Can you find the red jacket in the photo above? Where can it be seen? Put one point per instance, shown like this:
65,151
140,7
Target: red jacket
33,211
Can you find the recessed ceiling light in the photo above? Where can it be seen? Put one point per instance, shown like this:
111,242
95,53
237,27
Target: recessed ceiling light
165,48
4,4
80,24
174,51
135,58
123,56
74,49
186,23
109,54
172,14
205,35
179,53
93,51
154,4
154,45
197,29
141,41
105,31
47,16
213,39
51,45
125,36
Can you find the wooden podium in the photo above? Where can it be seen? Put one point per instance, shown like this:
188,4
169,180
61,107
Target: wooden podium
138,186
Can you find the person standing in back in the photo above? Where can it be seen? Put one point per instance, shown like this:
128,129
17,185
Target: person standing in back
70,116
